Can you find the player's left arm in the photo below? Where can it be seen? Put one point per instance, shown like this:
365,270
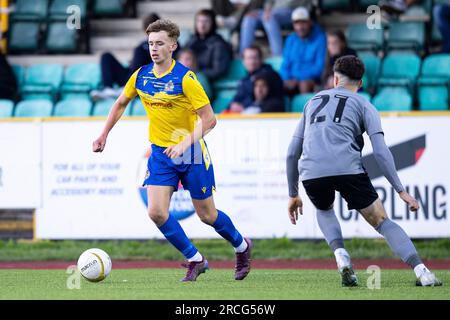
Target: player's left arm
205,123
383,156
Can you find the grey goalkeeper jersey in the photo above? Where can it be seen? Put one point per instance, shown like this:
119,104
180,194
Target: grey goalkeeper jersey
331,128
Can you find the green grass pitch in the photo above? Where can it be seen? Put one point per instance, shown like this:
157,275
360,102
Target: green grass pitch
216,284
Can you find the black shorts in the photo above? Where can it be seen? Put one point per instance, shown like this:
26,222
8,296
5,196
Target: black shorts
356,189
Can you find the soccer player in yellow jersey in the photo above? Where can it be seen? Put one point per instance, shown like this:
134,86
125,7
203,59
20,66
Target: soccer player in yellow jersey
180,116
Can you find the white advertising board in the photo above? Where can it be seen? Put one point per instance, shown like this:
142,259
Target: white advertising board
88,195
20,165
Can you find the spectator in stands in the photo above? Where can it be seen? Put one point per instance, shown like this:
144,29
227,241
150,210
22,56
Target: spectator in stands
229,13
187,58
212,51
264,99
253,63
114,73
275,16
396,7
8,83
337,47
441,14
303,54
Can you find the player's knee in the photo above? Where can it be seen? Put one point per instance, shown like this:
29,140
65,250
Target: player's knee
206,215
207,218
377,221
157,215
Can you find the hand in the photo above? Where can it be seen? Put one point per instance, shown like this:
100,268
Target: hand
99,144
412,203
295,206
236,107
175,151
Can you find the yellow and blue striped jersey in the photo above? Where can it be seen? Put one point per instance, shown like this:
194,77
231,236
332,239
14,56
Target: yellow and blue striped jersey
170,100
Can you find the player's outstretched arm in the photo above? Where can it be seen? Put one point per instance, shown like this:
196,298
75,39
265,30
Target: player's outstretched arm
385,161
116,112
206,122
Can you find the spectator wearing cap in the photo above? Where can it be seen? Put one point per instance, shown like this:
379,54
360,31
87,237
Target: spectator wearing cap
254,65
304,54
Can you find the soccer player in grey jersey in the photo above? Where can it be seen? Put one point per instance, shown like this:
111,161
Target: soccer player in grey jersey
325,152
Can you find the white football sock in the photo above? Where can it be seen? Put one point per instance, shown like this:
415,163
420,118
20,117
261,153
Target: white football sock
196,258
342,257
242,247
420,269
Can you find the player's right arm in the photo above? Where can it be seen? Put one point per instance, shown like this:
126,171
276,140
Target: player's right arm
295,204
117,110
383,155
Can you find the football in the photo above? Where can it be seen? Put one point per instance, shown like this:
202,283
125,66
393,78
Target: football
94,264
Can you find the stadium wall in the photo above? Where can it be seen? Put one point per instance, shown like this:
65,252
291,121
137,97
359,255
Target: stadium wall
48,164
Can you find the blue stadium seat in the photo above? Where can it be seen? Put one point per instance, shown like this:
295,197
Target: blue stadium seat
435,70
372,65
34,108
328,5
230,80
73,108
433,98
434,83
223,100
58,9
60,38
102,108
42,80
299,101
6,108
406,36
275,62
26,10
80,79
399,69
393,99
362,38
24,36
108,7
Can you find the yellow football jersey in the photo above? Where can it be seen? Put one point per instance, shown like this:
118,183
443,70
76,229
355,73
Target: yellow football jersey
170,100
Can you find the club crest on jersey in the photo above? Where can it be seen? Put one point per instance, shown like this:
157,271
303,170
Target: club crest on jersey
169,86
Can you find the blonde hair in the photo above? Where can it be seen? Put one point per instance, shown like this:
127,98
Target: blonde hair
164,25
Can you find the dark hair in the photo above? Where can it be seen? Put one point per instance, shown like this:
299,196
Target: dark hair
149,19
340,35
164,25
257,49
211,15
350,66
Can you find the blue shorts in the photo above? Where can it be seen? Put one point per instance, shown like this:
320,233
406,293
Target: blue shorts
193,168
